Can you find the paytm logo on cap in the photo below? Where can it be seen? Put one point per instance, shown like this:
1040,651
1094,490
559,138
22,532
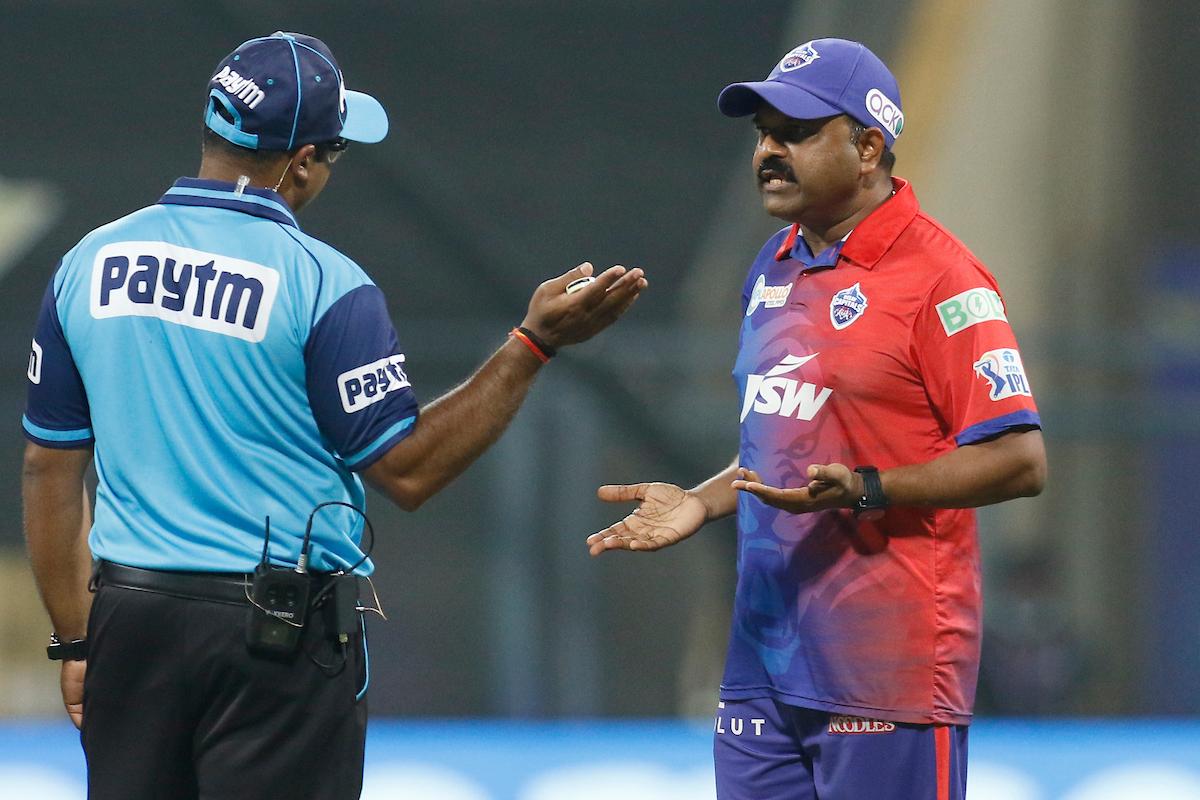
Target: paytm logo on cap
887,112
244,89
187,287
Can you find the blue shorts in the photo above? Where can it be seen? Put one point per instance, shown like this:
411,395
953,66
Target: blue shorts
766,750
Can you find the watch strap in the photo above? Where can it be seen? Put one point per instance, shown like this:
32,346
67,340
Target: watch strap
74,650
872,496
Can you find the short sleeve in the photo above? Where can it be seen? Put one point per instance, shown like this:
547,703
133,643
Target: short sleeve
358,387
56,408
969,360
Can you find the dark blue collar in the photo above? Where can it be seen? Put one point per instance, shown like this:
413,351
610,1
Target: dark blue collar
795,246
220,194
828,257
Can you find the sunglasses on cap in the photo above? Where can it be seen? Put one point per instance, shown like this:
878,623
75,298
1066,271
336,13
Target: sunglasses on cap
330,152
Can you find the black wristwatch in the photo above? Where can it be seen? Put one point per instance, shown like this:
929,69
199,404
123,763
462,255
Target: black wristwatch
873,502
74,650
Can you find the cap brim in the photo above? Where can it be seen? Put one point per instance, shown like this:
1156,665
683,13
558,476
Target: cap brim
366,121
743,99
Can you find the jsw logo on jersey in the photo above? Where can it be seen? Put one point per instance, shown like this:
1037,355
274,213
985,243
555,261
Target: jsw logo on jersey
188,287
1003,371
370,383
774,394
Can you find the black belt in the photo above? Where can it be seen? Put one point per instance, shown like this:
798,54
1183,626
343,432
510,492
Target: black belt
216,587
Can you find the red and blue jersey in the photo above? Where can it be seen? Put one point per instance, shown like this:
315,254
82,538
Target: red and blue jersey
891,348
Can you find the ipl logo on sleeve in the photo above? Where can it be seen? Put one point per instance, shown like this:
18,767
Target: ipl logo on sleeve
1002,369
847,306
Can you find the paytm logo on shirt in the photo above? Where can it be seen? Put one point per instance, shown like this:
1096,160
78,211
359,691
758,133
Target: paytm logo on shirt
35,363
370,383
188,287
1003,371
786,397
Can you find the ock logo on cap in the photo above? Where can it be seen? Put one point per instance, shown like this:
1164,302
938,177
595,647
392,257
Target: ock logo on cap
802,56
884,110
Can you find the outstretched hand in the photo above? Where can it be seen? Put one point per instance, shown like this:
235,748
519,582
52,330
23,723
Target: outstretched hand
666,514
829,486
560,319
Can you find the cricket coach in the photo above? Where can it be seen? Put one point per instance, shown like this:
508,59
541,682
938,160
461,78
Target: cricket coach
224,368
882,398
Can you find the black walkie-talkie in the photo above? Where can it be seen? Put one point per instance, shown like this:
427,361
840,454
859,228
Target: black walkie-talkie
279,603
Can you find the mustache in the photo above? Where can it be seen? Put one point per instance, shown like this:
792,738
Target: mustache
776,165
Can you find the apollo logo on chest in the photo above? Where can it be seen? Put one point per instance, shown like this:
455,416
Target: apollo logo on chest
187,287
774,394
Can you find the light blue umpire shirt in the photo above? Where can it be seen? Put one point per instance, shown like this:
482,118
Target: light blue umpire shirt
227,367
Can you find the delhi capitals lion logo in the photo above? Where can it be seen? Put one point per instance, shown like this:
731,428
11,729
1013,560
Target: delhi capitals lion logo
802,56
847,306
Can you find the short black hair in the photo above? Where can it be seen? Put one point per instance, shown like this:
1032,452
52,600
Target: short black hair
214,141
887,160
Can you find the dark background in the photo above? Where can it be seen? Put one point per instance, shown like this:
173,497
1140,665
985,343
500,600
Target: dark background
527,137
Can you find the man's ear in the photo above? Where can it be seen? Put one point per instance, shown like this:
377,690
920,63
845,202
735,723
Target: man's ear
871,146
303,161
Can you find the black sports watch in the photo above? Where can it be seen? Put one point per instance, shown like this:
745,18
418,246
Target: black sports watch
873,502
74,650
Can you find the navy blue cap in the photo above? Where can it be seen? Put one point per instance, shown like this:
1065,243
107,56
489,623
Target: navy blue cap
285,90
824,78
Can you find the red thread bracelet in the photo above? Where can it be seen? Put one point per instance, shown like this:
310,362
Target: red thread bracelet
533,348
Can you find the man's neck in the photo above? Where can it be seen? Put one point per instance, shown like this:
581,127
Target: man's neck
821,239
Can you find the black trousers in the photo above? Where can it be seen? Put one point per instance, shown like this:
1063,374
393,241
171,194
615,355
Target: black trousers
176,708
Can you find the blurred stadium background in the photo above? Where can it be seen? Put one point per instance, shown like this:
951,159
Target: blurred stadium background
1056,137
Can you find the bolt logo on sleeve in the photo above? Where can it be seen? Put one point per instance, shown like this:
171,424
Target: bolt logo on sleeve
799,400
970,308
1002,369
188,287
370,383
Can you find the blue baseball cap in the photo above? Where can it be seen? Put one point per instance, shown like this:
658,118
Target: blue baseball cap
285,90
824,78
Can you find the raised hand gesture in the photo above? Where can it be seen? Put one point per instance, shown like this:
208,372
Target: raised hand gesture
559,319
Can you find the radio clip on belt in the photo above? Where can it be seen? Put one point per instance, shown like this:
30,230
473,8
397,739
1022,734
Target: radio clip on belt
280,598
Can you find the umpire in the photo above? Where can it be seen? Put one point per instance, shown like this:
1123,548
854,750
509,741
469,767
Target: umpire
224,368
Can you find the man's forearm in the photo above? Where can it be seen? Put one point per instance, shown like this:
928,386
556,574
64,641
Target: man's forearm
718,496
457,428
56,525
1011,466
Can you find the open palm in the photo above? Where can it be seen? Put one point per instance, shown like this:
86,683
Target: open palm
666,514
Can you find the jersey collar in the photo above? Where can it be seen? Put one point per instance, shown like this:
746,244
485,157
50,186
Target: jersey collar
220,194
872,237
